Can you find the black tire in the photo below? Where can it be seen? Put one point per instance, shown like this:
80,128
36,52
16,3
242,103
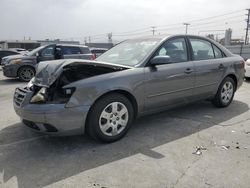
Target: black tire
25,73
218,101
94,128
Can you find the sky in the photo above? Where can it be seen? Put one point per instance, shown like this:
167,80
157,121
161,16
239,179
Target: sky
79,19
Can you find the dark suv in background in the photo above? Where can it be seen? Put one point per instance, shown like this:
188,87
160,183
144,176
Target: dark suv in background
24,66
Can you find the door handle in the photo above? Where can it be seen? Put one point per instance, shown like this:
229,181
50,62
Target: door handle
221,66
188,71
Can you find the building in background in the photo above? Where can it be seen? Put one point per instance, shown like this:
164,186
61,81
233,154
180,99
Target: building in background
31,44
100,45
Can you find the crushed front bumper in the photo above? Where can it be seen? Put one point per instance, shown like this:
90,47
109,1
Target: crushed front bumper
52,119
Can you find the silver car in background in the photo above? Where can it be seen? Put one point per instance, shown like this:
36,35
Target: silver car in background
134,78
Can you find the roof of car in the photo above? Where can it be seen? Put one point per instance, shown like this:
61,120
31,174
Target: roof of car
73,45
165,36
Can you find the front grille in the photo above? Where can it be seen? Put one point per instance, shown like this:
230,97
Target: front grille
19,96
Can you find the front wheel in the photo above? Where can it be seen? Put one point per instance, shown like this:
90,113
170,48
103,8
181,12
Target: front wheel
26,73
110,118
225,93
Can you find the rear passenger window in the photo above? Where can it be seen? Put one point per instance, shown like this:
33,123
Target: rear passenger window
69,50
202,49
175,49
85,50
217,52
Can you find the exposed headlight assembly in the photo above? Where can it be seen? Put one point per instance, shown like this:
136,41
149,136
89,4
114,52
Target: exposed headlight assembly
40,96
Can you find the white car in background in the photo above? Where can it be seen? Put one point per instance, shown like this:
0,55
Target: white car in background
247,67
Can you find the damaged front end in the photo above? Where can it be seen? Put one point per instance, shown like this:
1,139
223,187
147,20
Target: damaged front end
50,84
42,104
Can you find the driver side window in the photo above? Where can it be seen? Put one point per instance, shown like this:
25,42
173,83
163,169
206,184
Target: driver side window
48,51
174,48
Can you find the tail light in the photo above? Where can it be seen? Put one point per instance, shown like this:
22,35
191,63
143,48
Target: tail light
93,57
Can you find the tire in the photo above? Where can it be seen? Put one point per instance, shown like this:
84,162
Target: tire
107,124
26,73
225,93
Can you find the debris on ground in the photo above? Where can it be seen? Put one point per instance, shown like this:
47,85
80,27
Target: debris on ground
237,147
233,131
225,147
247,132
199,150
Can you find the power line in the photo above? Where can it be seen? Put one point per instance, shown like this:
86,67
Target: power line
168,27
186,24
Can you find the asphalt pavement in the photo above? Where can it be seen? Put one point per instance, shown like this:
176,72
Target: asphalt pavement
192,146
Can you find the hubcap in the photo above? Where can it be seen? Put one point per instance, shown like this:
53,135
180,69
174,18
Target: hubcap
113,119
227,92
27,74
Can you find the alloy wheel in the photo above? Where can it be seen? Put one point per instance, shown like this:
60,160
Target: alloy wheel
114,119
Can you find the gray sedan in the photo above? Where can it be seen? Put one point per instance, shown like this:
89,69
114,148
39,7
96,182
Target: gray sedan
134,78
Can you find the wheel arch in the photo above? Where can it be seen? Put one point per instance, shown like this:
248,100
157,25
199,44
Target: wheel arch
123,92
234,78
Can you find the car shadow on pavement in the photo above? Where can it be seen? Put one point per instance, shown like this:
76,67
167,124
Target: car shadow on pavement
10,81
35,160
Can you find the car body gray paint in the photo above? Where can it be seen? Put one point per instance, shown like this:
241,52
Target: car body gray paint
134,81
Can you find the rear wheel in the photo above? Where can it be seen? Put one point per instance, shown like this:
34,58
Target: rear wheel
225,93
26,73
110,118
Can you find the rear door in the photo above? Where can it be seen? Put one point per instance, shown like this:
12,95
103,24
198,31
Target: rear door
209,67
75,52
173,83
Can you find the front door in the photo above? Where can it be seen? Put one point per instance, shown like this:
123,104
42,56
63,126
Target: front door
171,83
47,53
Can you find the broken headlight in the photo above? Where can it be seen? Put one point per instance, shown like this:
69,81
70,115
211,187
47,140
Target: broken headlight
40,96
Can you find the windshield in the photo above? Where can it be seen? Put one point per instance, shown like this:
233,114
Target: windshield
129,52
33,52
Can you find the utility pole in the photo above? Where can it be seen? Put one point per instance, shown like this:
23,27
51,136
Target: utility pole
153,30
89,39
248,24
186,24
109,37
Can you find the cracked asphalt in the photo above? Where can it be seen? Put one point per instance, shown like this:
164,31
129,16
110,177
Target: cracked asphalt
157,151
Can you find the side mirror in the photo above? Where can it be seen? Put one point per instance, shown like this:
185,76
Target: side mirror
160,60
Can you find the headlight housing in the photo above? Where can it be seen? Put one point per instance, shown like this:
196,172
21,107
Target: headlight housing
40,96
15,61
50,96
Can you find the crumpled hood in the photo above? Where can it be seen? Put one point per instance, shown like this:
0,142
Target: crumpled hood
48,71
